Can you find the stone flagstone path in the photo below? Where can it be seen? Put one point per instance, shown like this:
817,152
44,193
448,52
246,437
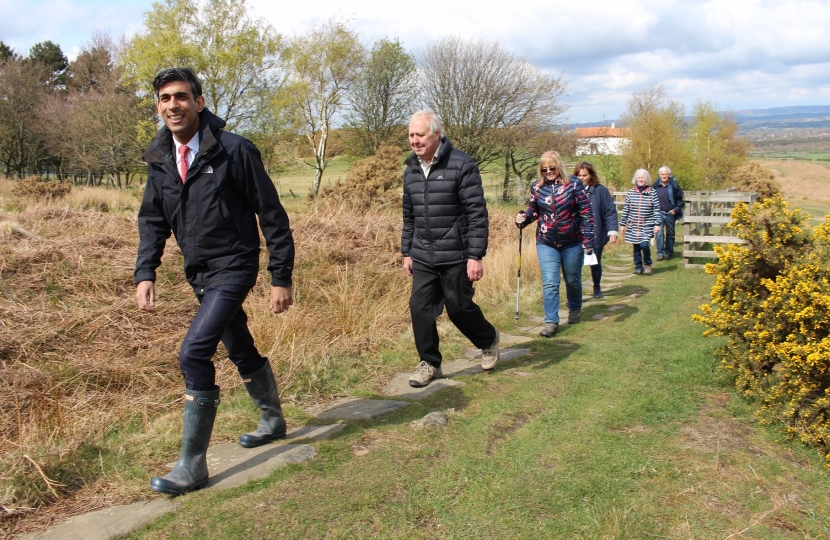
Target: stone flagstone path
231,465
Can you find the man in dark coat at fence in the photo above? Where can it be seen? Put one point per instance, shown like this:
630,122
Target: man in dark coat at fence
207,186
445,232
671,209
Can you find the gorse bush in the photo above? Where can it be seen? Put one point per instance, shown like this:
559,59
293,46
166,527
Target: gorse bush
38,187
373,182
771,299
751,177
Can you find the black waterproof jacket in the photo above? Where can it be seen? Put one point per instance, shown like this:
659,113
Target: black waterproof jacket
213,214
444,216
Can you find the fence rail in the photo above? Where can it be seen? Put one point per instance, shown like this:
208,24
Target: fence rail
706,215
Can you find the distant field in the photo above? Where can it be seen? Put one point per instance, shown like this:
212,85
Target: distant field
796,156
805,185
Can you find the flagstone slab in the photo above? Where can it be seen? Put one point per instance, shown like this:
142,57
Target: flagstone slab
107,523
399,387
615,308
313,433
531,329
510,339
360,409
231,465
473,361
599,316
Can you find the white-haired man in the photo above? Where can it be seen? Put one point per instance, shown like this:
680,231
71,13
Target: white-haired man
671,209
445,230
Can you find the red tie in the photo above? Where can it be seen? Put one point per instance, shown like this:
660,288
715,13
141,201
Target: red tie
183,151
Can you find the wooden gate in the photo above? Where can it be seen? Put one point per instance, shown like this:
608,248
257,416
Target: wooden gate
705,220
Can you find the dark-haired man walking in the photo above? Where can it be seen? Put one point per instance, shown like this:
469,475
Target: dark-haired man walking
207,186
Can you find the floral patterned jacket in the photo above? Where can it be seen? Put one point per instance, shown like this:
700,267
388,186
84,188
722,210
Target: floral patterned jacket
563,210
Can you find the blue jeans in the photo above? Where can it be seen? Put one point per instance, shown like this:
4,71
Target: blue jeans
665,238
642,254
570,259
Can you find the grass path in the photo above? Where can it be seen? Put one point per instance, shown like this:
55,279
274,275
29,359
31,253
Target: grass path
617,428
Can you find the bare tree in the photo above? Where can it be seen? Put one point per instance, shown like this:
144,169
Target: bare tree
105,126
23,91
322,65
383,98
481,91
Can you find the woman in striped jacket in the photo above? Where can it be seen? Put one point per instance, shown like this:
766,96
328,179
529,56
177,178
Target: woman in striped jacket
640,219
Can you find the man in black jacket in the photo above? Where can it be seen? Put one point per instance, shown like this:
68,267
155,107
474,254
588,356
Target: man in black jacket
670,196
207,186
444,240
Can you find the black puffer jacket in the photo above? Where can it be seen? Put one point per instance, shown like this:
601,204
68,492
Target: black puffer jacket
444,216
213,214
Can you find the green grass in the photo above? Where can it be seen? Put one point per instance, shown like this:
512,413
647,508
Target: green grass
793,155
619,428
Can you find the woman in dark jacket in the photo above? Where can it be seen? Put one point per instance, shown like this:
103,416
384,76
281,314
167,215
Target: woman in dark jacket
605,217
564,234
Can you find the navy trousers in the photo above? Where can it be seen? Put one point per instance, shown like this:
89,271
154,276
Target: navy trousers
220,318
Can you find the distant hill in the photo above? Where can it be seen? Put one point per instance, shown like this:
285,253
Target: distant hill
803,117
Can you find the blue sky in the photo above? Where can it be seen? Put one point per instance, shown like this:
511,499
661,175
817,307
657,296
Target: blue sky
738,54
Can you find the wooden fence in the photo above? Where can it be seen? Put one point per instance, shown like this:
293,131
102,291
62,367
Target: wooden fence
705,217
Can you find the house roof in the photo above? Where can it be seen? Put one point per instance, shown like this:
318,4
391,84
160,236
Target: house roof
603,132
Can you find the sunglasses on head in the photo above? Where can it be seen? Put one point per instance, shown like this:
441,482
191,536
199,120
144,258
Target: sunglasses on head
546,170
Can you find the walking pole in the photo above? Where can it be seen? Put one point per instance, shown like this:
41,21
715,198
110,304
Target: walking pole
519,276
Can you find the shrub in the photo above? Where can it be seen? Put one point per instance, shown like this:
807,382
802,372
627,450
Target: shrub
753,177
771,299
40,188
372,182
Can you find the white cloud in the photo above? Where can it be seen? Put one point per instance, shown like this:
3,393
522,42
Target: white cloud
737,53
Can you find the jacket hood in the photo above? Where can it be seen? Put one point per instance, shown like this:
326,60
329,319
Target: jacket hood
162,146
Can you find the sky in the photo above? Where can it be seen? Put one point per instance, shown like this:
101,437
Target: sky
736,54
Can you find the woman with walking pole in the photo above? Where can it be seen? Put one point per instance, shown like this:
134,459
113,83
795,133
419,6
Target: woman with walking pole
564,234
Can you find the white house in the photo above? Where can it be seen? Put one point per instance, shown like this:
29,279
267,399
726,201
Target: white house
602,140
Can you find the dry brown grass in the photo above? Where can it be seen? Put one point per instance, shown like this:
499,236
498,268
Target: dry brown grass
86,375
799,179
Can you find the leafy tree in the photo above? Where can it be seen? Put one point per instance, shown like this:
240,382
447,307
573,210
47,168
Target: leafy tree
235,55
50,55
482,92
383,98
656,133
322,65
714,146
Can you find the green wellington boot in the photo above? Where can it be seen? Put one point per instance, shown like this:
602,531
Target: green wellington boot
262,388
191,471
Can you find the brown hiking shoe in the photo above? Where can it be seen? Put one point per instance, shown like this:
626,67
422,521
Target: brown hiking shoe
490,355
549,330
574,315
424,373
647,270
